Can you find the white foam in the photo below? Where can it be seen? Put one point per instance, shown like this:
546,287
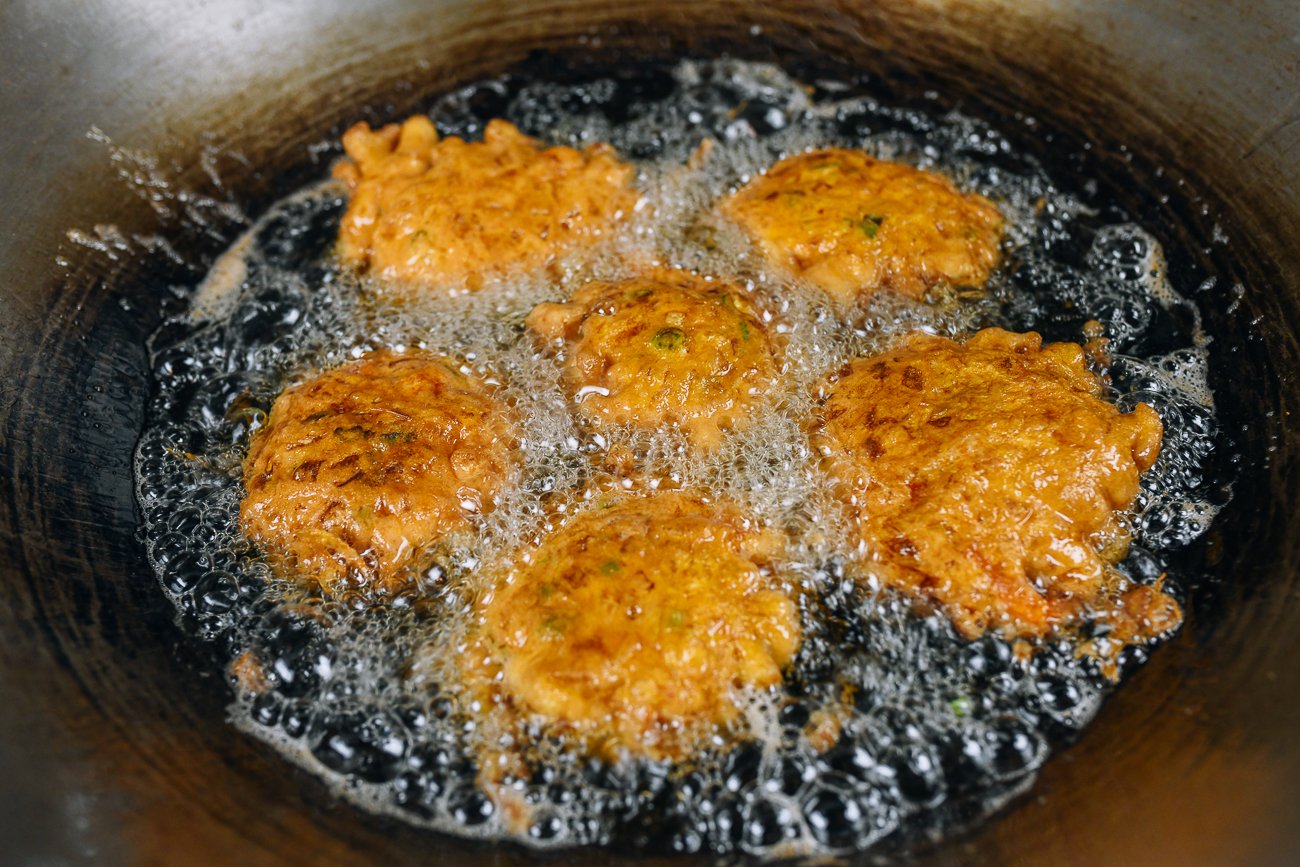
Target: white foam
395,656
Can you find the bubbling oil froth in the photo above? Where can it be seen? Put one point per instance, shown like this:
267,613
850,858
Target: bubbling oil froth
888,724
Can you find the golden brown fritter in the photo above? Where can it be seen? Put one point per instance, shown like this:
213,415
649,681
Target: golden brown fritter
358,471
664,348
853,225
990,478
449,213
635,624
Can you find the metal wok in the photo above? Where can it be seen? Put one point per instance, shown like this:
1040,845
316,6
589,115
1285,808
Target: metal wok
113,742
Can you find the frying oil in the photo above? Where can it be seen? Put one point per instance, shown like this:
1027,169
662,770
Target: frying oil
929,729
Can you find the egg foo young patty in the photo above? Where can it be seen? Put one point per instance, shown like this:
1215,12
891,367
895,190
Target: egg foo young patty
451,213
853,225
359,470
634,625
990,478
667,347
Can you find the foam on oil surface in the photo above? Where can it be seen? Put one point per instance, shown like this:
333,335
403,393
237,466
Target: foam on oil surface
888,725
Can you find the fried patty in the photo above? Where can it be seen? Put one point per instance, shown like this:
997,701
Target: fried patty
358,471
665,348
990,478
854,225
636,623
451,214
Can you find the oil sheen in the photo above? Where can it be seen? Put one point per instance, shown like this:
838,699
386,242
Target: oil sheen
930,730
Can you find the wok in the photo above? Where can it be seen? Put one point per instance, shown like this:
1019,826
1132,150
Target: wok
113,742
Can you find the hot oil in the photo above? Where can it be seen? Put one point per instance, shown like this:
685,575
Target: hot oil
888,726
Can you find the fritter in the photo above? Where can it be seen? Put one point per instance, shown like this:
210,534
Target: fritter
635,625
991,479
854,225
663,348
452,214
357,472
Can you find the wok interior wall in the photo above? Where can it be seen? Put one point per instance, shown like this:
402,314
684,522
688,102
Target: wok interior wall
114,726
